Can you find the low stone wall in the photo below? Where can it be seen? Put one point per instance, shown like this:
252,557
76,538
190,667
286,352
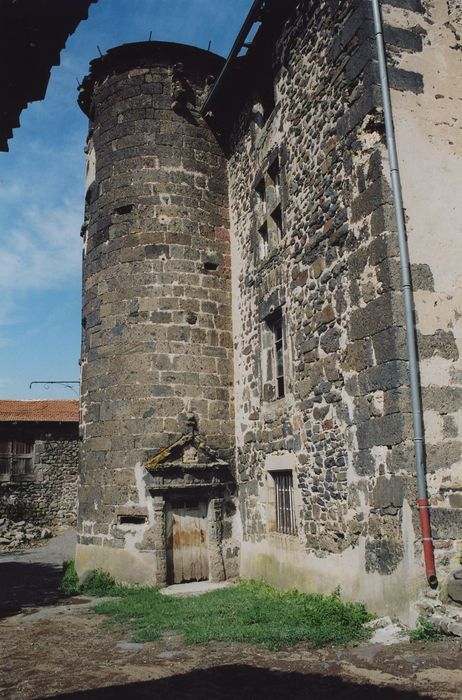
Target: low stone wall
51,498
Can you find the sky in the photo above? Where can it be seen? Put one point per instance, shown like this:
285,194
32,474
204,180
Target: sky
42,190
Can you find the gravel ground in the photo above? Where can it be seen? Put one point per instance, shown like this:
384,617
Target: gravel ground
63,650
30,577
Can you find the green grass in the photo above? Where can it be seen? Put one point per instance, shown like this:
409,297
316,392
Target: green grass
101,583
251,612
70,581
425,631
98,583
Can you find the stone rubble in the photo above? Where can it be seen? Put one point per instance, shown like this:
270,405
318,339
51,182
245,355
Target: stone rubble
16,535
447,617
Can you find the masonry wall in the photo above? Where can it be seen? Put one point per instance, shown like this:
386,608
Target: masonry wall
344,425
50,499
429,138
157,343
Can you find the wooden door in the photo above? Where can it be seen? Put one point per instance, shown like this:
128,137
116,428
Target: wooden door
187,552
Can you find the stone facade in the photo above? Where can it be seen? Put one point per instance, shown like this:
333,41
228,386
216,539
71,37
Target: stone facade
322,428
344,421
429,140
48,497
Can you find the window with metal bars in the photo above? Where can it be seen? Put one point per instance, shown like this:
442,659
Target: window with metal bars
284,502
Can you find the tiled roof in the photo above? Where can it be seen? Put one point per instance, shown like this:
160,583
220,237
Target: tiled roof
48,411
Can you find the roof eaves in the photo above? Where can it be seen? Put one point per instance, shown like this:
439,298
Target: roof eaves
256,14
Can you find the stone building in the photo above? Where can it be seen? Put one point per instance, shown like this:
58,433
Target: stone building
246,402
39,461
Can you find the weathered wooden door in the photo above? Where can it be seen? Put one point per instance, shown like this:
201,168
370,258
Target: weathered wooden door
187,552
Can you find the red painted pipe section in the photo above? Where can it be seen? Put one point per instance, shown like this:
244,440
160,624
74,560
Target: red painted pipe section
427,541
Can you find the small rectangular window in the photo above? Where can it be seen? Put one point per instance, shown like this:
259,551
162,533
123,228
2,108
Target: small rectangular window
22,459
278,339
274,356
16,460
260,189
132,519
263,231
284,502
268,210
274,176
5,461
276,217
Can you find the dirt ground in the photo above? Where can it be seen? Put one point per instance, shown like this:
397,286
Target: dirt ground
59,648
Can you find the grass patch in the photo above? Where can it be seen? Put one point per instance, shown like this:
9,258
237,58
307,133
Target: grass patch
98,583
70,581
252,612
425,631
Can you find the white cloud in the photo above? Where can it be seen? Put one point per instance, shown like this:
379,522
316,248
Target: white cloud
43,250
10,191
42,177
9,311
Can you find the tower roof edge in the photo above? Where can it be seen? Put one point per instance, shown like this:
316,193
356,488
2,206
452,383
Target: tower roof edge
143,54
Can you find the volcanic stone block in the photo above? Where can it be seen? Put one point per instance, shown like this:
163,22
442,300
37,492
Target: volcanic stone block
455,586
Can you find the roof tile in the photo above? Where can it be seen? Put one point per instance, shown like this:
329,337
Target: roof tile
63,411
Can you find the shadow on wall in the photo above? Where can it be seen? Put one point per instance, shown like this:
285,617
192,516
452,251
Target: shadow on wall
28,585
231,682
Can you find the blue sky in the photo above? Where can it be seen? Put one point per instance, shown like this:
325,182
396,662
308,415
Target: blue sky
42,189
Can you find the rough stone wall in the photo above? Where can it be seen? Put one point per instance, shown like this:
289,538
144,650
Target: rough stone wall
454,8
50,499
344,426
429,139
157,342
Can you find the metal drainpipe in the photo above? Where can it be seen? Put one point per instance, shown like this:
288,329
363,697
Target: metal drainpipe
422,503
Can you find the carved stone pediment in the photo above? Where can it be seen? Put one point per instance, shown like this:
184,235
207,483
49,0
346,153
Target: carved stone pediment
188,451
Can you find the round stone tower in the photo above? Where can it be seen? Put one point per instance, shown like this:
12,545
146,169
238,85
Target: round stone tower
157,419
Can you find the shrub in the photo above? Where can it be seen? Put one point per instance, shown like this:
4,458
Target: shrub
99,582
70,581
425,631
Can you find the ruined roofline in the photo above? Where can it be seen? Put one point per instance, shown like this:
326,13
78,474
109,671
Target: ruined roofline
33,37
269,15
141,54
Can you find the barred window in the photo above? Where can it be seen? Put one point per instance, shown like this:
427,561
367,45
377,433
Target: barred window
284,502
